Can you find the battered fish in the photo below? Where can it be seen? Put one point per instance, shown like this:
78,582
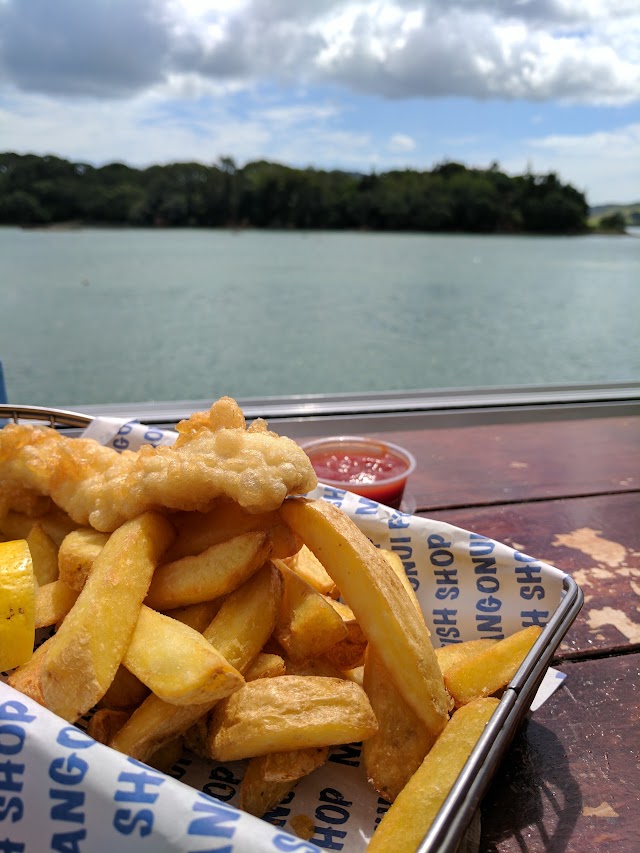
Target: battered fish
215,455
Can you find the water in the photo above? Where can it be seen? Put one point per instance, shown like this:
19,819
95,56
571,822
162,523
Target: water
128,315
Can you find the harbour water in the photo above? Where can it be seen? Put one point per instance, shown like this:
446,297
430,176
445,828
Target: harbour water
89,316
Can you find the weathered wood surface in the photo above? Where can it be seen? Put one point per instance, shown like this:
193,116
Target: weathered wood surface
596,540
567,493
571,781
502,463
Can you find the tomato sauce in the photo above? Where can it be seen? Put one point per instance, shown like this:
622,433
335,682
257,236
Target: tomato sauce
368,468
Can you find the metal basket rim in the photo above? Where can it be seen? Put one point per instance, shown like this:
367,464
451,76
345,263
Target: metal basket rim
54,417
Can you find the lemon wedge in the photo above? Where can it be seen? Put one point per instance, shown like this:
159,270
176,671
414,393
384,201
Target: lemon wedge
17,604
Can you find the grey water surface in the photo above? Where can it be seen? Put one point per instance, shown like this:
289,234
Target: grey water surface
123,315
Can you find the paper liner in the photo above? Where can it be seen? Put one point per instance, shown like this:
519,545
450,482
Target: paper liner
63,791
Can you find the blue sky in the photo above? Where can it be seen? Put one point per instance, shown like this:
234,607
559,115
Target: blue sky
550,85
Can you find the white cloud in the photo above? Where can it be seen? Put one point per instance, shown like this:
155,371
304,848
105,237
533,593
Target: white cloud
538,50
606,163
139,131
401,142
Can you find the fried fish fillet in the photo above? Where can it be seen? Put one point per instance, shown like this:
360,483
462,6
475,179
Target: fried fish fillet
215,455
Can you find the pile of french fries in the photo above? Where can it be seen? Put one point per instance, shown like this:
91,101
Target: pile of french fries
267,637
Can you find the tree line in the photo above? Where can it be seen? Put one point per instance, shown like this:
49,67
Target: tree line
39,191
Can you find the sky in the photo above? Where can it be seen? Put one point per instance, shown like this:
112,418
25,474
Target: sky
540,85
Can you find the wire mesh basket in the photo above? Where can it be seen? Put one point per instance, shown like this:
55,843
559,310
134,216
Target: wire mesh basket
57,418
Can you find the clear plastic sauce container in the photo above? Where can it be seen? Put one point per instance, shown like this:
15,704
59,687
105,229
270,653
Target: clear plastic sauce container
369,467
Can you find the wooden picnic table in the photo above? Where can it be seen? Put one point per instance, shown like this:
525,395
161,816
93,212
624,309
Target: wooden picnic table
568,493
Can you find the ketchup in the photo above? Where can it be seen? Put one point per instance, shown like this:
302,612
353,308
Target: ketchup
369,468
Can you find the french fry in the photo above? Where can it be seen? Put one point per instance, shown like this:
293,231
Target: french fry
308,625
356,674
196,616
381,604
290,766
239,631
318,667
289,713
269,778
393,558
408,820
198,531
77,553
53,601
105,723
55,522
28,677
177,663
125,692
397,749
164,758
265,666
216,571
23,502
349,652
454,653
257,796
492,669
84,655
310,569
44,554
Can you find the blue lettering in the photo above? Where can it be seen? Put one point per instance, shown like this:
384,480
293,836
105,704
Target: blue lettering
366,507
139,781
441,558
15,736
211,825
65,810
489,604
451,592
480,545
330,795
484,565
401,545
332,814
68,842
16,712
9,769
448,635
289,844
487,584
334,496
529,592
13,804
437,541
9,846
347,753
325,837
490,623
74,773
400,521
125,822
222,785
445,617
73,738
534,617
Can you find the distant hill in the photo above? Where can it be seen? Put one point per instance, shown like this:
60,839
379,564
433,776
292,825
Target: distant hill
631,212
